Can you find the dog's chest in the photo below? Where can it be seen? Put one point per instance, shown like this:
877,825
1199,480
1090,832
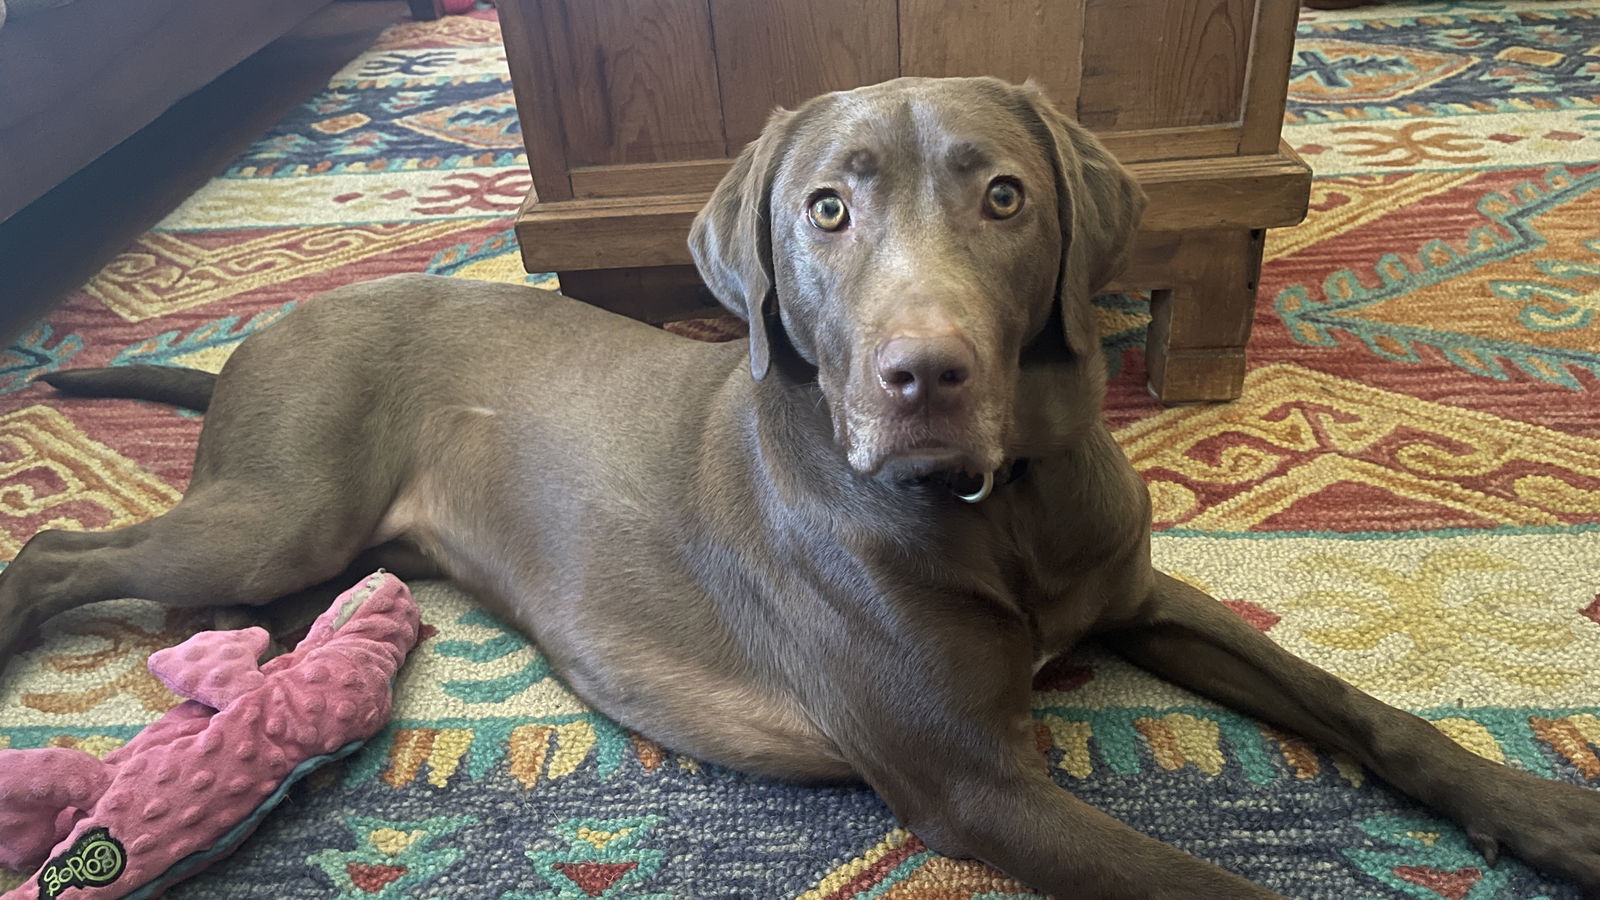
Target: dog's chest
1067,588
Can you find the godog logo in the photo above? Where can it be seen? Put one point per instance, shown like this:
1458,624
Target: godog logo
95,859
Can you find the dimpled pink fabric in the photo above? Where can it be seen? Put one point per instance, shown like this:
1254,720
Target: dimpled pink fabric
190,778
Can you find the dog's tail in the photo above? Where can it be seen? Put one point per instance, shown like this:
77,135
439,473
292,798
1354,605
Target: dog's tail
189,388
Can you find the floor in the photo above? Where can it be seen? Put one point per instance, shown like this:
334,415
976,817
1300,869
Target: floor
1407,494
60,240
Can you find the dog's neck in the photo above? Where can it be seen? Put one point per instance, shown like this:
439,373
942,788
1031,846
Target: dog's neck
1058,400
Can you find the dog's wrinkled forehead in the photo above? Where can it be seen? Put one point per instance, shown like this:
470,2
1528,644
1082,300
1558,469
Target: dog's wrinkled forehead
909,128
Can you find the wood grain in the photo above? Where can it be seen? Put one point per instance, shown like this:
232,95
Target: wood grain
1010,39
1164,63
609,233
1153,144
538,106
649,179
640,105
636,80
776,53
1195,349
1241,192
1267,76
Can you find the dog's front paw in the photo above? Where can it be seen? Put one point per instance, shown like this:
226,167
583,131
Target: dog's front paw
1552,826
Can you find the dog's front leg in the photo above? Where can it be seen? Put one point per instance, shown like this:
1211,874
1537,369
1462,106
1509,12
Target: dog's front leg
998,804
1190,638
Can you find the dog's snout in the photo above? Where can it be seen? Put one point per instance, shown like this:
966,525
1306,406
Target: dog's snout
925,369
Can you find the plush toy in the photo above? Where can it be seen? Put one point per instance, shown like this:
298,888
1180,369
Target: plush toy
191,786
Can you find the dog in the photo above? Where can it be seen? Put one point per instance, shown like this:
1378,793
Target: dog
837,550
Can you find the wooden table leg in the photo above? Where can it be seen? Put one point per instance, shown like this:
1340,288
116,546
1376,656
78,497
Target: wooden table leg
1199,327
426,10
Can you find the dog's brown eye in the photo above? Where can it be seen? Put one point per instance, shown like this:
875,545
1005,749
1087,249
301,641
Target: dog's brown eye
1004,199
828,212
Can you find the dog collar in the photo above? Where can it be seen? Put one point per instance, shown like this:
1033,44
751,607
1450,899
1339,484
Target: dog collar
976,488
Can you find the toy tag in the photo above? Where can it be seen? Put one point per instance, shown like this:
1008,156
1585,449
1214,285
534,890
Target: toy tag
353,602
347,609
95,859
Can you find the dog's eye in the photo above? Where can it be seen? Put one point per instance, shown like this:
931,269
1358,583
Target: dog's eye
828,212
1003,200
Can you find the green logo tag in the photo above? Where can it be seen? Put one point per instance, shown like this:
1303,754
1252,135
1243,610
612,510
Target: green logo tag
94,859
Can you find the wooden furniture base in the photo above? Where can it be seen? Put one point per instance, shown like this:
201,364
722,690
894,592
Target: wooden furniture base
1201,308
426,10
632,110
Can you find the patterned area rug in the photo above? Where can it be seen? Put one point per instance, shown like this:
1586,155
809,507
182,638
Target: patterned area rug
1407,494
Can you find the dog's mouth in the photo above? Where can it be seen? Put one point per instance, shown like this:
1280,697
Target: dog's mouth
897,417
921,462
909,449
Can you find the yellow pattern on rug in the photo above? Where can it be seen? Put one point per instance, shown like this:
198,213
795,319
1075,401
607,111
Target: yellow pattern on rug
1295,432
99,488
164,272
1340,204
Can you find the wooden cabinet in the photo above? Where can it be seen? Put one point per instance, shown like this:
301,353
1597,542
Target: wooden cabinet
633,109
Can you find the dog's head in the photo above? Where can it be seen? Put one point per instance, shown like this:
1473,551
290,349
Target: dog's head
909,240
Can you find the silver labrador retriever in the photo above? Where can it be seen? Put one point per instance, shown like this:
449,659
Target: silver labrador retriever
762,554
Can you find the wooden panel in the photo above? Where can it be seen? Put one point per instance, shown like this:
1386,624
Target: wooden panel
1153,144
1164,260
625,232
773,53
636,80
1242,192
1011,39
649,179
701,176
1267,79
1195,349
1164,63
538,107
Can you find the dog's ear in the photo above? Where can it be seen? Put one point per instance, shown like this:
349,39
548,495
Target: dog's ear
731,238
1100,206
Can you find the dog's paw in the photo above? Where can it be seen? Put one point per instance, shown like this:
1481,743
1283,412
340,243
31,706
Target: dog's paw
1552,826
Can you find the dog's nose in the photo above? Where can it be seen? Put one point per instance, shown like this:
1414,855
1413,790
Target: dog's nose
916,370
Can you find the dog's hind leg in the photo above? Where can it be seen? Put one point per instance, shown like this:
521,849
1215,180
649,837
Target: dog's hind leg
295,611
224,543
1190,638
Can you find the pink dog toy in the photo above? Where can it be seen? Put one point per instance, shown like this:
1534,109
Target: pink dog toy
193,785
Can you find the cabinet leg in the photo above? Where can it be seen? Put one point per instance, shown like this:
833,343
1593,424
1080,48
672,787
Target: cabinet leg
426,10
1200,325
